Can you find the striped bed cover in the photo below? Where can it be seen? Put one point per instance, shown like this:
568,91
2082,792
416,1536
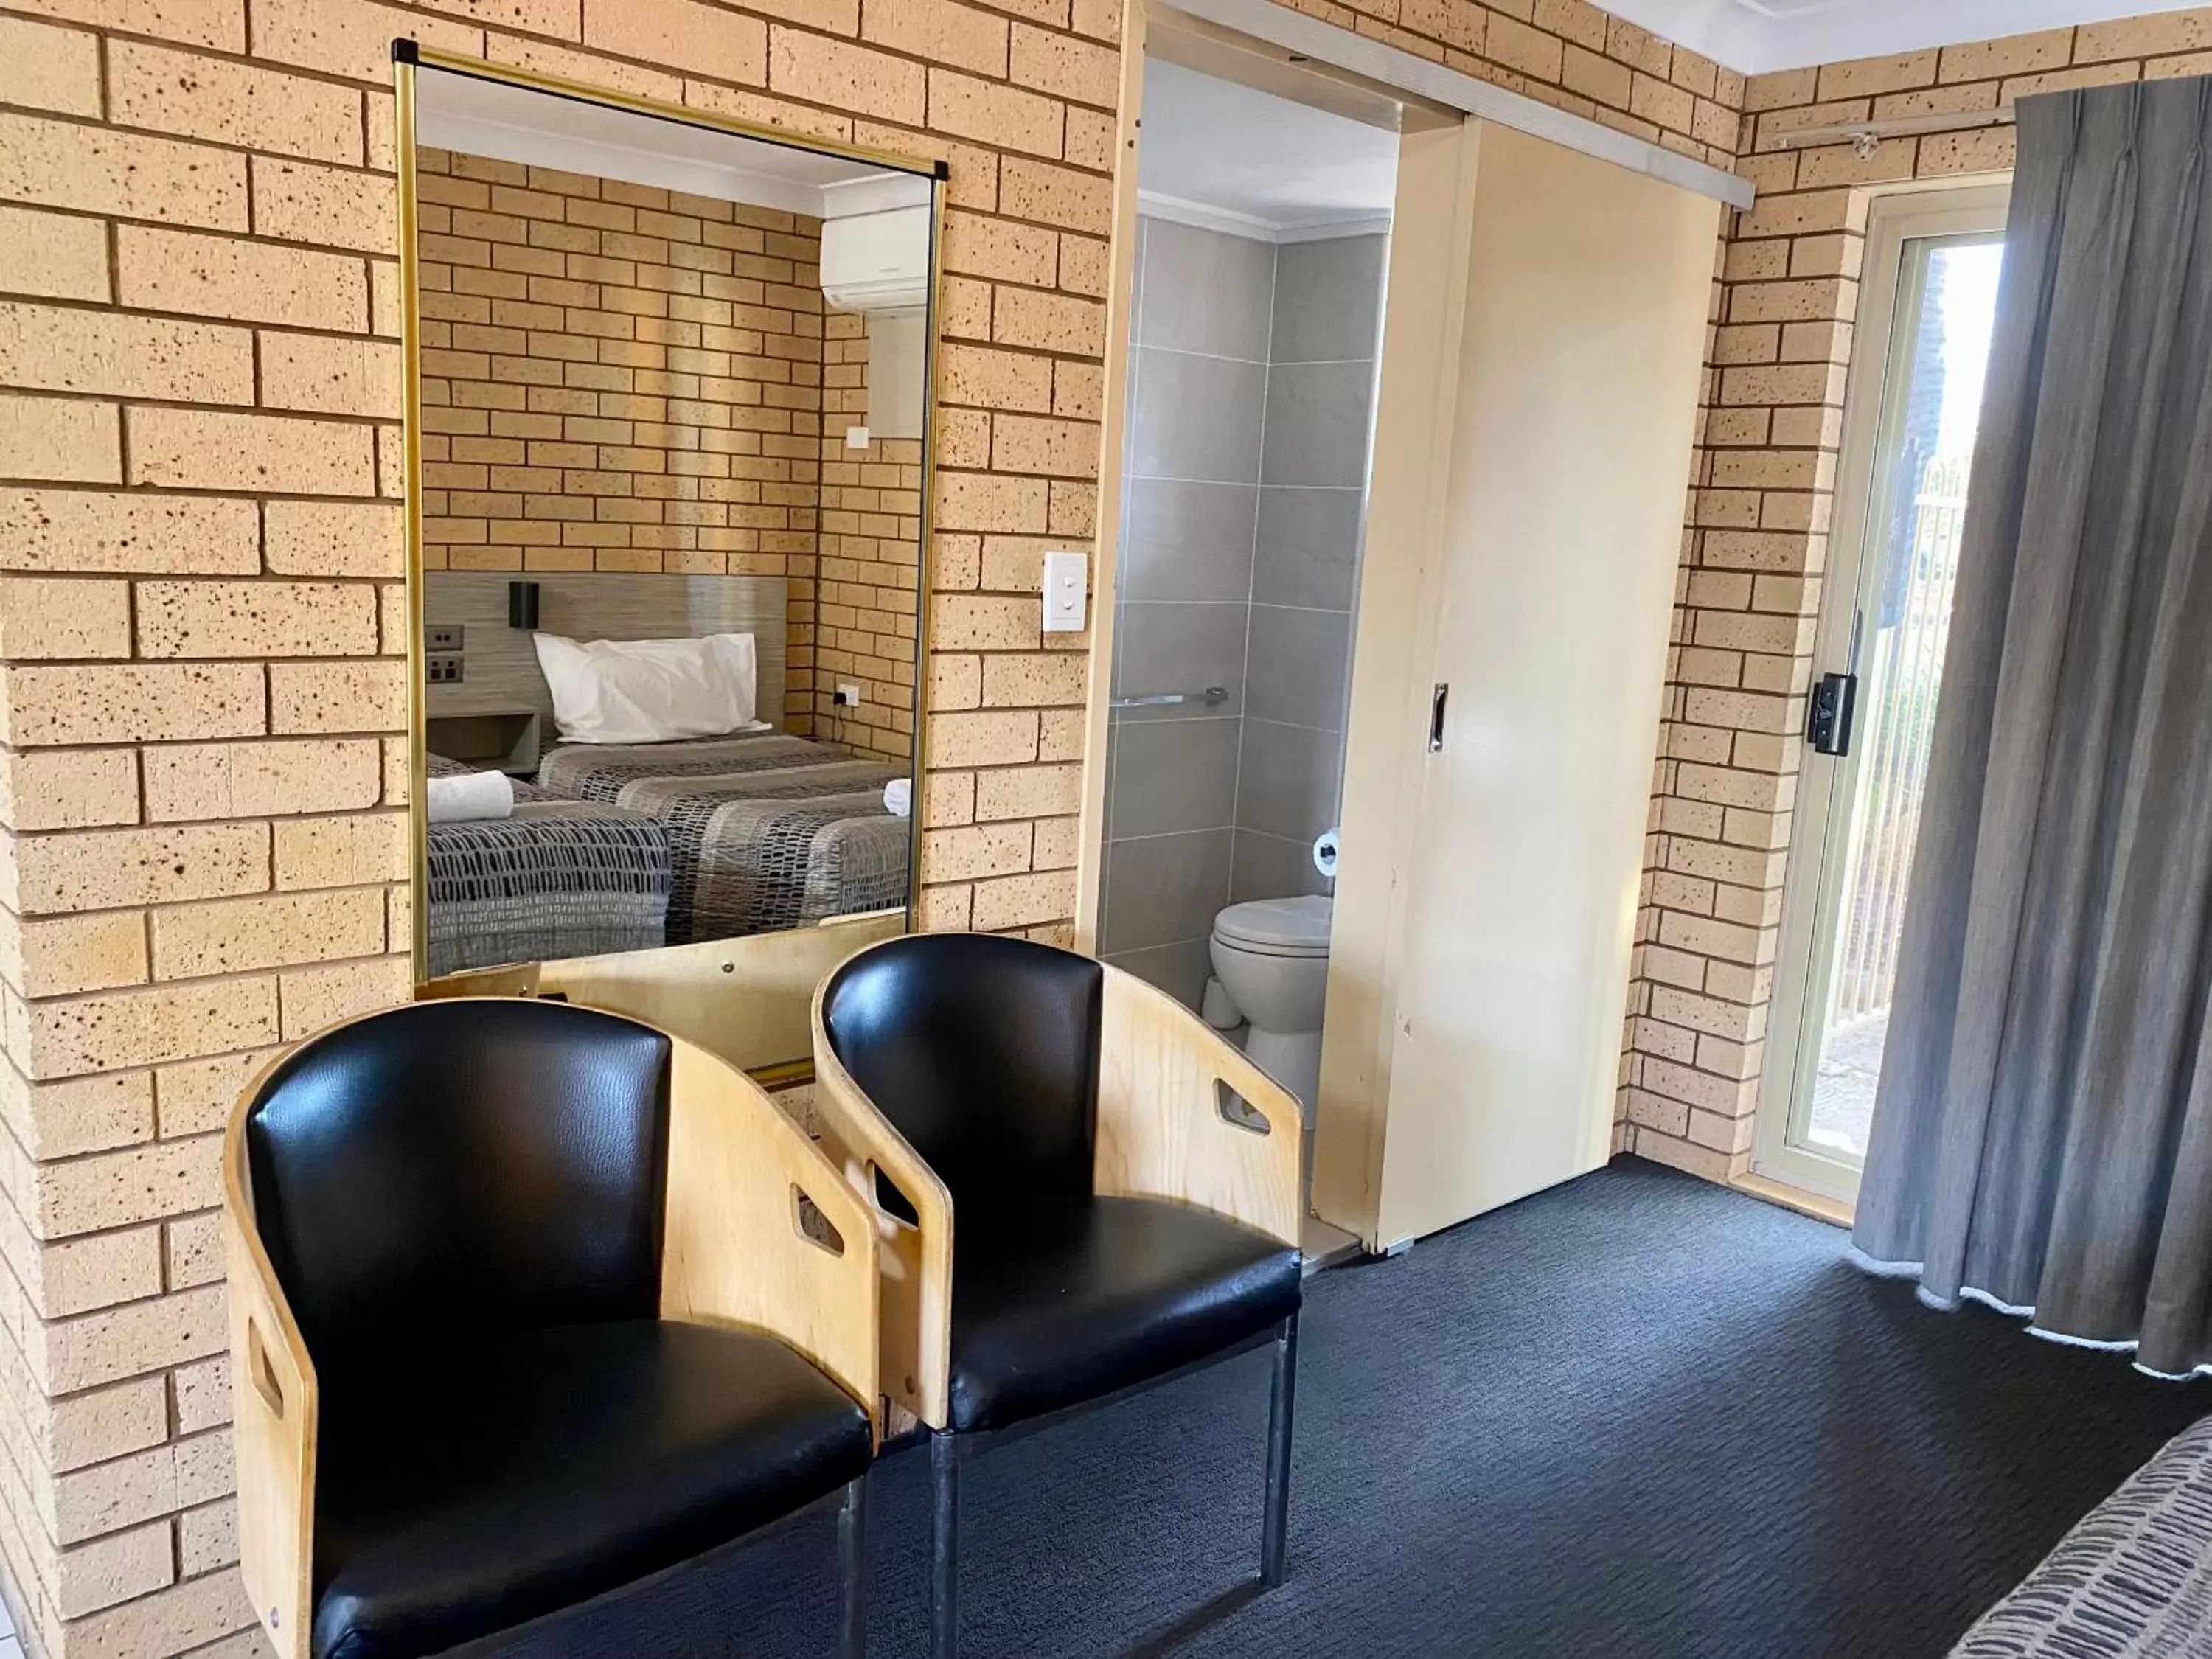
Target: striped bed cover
764,831
2133,1580
559,878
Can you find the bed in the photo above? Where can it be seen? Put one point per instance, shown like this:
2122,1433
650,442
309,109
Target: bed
558,879
764,831
2134,1579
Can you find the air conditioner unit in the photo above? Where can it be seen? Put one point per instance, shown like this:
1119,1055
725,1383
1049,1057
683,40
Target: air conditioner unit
876,261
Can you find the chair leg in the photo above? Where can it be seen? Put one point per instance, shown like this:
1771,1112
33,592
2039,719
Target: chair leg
853,1571
944,1545
1275,1542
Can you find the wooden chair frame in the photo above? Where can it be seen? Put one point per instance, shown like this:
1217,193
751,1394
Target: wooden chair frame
1182,1116
735,1253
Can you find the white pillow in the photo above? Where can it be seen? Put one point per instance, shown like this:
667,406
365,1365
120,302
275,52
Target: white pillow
649,690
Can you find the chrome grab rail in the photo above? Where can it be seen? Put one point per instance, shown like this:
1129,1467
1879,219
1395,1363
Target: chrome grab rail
1212,695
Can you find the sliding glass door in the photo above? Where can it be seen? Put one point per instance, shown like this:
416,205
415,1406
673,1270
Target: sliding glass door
1927,306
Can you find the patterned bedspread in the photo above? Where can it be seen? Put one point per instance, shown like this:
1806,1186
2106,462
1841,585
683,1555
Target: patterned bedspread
2133,1580
559,878
763,832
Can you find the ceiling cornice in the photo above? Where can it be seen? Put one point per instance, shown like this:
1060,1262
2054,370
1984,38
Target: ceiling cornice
1758,36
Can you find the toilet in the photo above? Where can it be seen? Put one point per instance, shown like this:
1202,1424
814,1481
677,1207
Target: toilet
1270,957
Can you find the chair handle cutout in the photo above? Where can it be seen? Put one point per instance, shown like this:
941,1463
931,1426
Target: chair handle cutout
261,1373
815,1228
891,1203
1238,1112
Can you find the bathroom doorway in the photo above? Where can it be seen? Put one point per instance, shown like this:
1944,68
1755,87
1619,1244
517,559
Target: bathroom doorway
1354,566
1260,250
1261,246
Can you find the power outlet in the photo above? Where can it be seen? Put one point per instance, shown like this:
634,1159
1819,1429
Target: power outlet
847,695
442,670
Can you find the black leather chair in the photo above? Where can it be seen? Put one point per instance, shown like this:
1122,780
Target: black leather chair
524,1307
1124,1187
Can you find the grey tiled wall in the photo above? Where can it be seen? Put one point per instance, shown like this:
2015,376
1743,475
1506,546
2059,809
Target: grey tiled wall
1251,386
1313,493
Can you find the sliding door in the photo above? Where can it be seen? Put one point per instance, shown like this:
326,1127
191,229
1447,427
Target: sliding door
1529,761
1928,307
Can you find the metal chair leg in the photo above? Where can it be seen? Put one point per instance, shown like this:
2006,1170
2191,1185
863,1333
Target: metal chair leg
1275,1544
853,1571
944,1545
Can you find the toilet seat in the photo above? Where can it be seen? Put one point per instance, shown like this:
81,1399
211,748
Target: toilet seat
1276,927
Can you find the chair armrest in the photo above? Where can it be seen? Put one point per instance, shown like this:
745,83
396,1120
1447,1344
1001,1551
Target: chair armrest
736,1249
916,1257
1163,1129
273,1409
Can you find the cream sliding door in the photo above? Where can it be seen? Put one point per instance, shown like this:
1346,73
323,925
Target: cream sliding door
1510,743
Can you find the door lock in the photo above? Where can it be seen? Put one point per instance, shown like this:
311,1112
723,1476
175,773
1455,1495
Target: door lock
1828,719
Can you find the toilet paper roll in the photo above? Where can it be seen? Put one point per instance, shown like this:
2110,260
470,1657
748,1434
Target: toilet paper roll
1325,854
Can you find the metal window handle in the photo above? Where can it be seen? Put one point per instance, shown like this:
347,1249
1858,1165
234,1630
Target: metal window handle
1437,717
1210,696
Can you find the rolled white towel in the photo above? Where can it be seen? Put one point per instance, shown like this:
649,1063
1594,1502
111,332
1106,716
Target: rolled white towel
898,796
470,796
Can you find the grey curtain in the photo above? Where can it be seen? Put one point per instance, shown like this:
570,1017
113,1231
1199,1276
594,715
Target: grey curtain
2043,1130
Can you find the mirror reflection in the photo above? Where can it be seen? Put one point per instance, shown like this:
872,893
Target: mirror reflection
672,402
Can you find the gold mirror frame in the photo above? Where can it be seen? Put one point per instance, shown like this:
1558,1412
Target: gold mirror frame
685,988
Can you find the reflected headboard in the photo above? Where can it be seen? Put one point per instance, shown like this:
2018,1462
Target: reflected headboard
499,669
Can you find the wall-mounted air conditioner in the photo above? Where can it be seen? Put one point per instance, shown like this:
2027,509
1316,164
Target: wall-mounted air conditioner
876,261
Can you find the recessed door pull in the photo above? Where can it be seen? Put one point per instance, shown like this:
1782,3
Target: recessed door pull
1437,717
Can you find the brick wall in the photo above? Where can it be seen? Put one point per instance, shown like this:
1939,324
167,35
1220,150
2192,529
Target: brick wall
866,614
613,379
1729,749
621,377
200,684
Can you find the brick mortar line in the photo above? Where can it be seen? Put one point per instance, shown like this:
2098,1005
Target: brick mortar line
151,909
375,810
228,975
139,400
77,306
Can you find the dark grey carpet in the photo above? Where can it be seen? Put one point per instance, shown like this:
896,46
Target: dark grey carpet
1637,1415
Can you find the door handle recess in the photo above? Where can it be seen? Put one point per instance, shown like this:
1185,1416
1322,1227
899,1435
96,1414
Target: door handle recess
1437,716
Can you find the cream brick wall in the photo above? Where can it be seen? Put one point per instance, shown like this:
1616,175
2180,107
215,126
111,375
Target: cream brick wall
866,615
1727,772
620,377
201,688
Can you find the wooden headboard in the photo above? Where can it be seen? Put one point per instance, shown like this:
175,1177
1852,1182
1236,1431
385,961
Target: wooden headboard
500,665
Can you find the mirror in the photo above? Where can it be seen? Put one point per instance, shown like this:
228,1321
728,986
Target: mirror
669,452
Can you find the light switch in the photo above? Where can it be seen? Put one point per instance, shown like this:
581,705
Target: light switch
1066,577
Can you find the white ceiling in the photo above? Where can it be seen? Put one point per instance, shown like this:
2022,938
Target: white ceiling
1755,35
1247,161
537,129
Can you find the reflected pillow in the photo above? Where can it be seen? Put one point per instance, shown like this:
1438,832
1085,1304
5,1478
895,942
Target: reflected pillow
649,690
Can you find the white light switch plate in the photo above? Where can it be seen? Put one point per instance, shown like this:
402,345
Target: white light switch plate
1066,577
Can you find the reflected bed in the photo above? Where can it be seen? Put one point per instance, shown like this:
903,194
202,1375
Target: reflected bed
763,832
557,879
